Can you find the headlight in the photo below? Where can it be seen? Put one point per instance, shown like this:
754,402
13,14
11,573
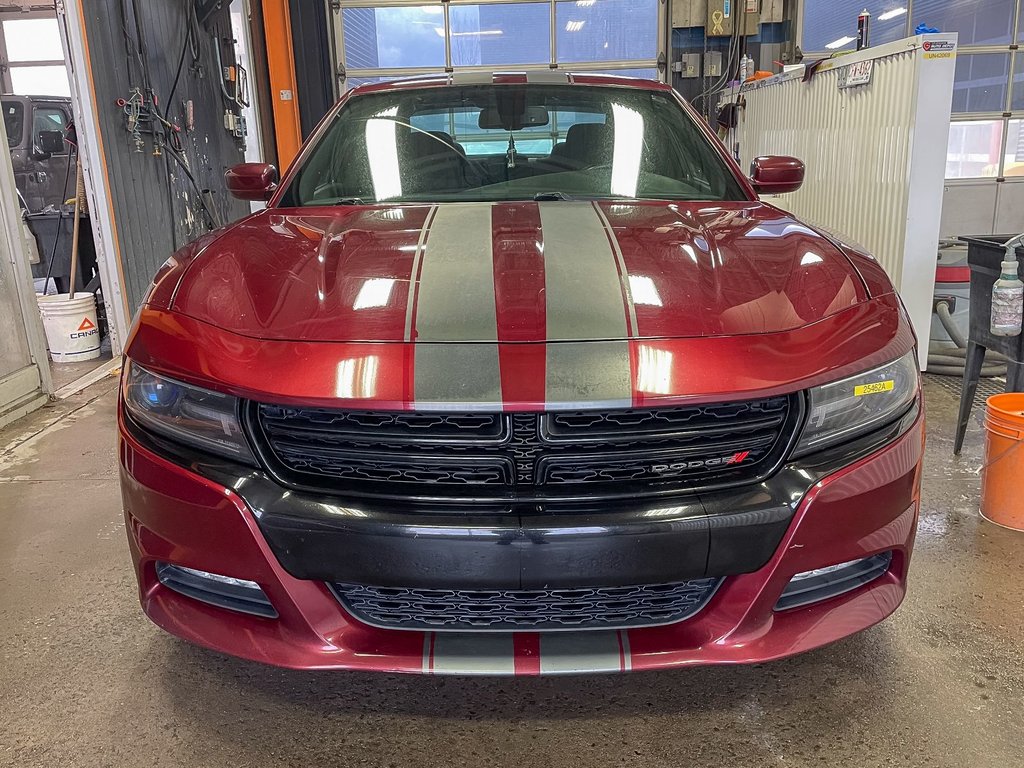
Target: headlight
844,409
191,415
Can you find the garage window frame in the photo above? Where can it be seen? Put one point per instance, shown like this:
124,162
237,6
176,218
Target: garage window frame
7,65
345,75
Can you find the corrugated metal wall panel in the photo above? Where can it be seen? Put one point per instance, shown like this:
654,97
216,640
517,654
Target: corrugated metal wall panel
156,208
854,144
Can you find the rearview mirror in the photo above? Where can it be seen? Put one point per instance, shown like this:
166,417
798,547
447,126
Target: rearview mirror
492,119
251,181
49,143
776,174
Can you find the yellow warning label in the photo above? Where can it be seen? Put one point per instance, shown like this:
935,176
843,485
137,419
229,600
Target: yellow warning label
874,389
941,55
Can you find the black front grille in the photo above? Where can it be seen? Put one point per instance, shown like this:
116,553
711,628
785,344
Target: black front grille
536,610
525,457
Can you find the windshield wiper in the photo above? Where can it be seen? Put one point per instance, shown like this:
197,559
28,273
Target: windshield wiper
349,201
542,196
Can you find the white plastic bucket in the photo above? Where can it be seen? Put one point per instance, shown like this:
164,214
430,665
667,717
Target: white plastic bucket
72,333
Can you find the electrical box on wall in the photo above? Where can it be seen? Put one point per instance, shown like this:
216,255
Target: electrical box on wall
721,17
771,11
751,15
690,65
689,13
713,64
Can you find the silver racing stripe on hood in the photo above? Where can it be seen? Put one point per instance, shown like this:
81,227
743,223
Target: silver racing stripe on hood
456,377
454,323
620,264
414,272
455,297
586,299
455,304
588,374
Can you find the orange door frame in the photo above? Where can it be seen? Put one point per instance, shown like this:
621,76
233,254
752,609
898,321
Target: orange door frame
281,66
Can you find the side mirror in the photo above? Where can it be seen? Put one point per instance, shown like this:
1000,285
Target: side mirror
252,181
776,174
49,143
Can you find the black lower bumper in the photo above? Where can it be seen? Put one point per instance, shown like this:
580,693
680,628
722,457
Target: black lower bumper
702,535
646,545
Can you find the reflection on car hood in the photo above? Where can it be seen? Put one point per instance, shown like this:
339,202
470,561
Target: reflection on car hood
518,272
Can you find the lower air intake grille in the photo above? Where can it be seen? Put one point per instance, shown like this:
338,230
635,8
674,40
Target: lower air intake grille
537,610
823,583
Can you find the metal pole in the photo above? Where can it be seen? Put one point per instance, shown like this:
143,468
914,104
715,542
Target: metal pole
79,194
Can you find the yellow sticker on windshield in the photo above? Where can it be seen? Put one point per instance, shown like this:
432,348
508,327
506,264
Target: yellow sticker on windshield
874,389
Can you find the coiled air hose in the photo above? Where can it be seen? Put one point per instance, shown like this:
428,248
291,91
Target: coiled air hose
951,362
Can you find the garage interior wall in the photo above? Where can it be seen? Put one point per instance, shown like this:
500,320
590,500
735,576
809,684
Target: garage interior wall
765,34
158,207
984,190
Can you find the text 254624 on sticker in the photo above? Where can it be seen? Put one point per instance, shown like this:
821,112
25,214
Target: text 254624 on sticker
873,389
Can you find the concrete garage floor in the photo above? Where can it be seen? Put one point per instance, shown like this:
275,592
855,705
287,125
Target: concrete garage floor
86,680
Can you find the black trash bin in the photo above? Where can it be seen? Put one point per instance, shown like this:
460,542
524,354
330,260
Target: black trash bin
985,255
59,227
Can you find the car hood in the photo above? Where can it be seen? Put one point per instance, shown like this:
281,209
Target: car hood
517,272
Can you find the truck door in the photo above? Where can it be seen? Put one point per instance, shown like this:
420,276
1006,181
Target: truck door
46,181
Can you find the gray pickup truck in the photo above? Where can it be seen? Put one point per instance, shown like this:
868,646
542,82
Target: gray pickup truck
35,134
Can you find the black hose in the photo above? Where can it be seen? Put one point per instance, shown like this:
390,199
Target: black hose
191,43
952,361
942,310
951,370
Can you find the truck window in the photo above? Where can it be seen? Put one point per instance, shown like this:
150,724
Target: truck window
48,119
14,121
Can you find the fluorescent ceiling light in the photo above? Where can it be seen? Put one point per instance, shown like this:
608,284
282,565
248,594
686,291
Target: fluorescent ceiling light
479,33
357,378
574,26
644,291
585,3
375,293
892,14
626,150
840,42
382,152
654,370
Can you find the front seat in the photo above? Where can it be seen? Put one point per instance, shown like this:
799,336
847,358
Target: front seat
434,162
586,145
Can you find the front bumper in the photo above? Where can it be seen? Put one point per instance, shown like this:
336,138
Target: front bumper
225,520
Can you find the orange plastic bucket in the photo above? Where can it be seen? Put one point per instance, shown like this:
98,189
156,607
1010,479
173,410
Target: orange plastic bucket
1002,477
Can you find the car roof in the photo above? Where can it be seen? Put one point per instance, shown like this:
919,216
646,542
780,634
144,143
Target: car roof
460,79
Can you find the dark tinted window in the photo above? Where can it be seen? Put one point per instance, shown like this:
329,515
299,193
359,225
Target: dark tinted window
512,143
14,121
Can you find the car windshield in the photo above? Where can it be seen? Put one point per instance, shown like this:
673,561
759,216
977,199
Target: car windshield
511,142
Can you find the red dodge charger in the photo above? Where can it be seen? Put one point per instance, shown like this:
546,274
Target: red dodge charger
516,374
